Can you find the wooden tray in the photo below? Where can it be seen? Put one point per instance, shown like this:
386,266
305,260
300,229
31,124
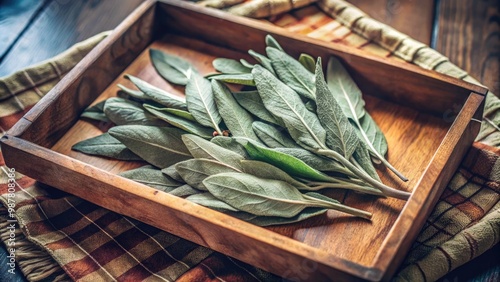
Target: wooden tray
429,120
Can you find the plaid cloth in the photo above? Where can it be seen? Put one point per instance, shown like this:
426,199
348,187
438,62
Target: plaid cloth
61,237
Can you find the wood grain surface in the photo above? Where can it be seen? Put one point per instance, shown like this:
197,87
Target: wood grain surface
469,34
427,139
61,24
412,17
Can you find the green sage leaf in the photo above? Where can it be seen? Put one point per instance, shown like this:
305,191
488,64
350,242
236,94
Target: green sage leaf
291,72
312,160
134,94
184,191
285,104
96,112
194,171
273,136
263,60
171,68
230,66
267,171
159,146
251,101
210,201
237,119
287,163
125,112
271,42
152,177
263,197
308,62
238,78
201,148
107,146
340,134
200,102
230,144
184,124
172,173
158,95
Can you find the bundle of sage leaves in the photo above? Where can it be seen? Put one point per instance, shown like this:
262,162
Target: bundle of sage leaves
260,154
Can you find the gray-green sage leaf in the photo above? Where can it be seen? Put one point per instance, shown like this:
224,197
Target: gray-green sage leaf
201,103
107,146
152,177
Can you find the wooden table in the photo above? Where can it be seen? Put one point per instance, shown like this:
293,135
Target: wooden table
467,31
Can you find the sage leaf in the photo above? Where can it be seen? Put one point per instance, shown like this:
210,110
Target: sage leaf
246,63
210,201
238,78
345,90
159,146
230,144
230,66
251,101
237,119
267,171
180,113
184,191
184,124
201,148
265,197
158,95
287,163
340,134
362,156
263,60
311,106
291,72
172,173
125,112
308,62
271,42
136,95
200,102
351,100
285,104
194,171
276,220
273,136
152,177
107,146
96,112
171,68
313,160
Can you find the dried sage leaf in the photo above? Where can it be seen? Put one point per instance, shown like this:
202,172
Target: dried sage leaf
184,124
171,68
201,103
152,177
201,148
230,66
194,171
158,95
107,146
159,146
292,73
237,119
125,112
273,136
285,104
